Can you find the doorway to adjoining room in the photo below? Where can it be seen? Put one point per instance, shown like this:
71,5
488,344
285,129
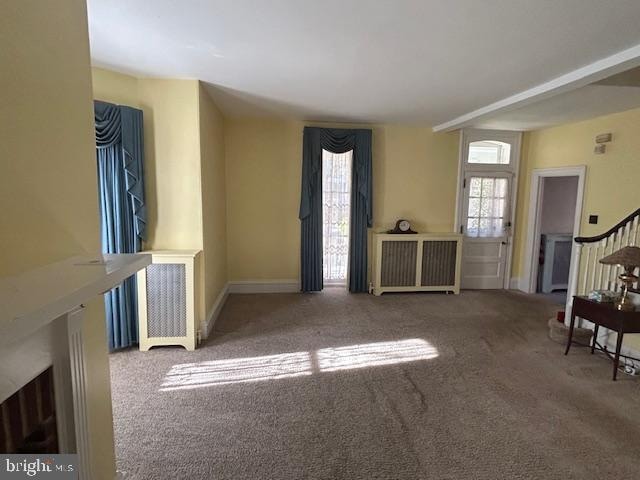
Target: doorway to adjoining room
556,236
554,221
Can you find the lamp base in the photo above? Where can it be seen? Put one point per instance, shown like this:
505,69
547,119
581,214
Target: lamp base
624,305
628,279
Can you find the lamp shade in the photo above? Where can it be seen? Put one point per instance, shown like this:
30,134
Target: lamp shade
626,256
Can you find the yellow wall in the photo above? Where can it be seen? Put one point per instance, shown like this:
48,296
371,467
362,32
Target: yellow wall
214,210
172,153
184,170
172,168
611,188
414,175
263,188
48,183
115,87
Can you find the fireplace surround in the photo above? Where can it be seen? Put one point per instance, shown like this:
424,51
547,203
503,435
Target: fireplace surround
41,322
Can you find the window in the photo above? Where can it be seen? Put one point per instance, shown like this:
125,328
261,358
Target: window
336,209
489,152
486,209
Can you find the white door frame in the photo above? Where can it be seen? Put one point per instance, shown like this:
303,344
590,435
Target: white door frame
531,253
514,137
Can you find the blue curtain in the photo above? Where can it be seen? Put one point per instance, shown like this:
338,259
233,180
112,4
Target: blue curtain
119,154
337,141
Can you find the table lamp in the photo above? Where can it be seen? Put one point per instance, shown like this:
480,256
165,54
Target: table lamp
629,259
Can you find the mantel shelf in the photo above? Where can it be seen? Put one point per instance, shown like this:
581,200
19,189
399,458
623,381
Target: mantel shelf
31,300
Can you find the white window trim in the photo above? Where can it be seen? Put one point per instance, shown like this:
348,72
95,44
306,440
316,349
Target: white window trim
469,135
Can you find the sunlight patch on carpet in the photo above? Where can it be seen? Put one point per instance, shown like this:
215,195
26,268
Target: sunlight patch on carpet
287,365
374,354
237,370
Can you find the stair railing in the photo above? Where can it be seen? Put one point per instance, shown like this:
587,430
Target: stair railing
587,273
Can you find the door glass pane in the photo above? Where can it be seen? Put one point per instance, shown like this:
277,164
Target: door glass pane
489,152
486,207
336,208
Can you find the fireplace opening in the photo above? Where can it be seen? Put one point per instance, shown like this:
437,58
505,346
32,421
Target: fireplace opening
28,418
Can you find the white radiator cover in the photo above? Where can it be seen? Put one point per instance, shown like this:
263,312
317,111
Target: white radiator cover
423,262
167,300
557,259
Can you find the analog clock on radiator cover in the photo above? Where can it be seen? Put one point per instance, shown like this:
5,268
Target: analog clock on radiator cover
402,226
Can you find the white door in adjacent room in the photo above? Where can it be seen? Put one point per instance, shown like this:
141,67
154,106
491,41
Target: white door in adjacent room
485,208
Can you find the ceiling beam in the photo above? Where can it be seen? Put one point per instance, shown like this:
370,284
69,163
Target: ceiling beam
580,77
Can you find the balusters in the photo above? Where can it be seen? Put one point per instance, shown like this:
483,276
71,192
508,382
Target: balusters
627,231
594,266
635,224
603,244
589,274
615,269
611,240
586,270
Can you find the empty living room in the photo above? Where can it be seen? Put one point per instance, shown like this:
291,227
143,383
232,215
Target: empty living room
339,239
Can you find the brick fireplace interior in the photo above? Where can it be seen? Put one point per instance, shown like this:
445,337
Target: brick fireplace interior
28,418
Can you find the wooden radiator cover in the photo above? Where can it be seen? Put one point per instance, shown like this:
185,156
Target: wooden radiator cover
421,262
167,300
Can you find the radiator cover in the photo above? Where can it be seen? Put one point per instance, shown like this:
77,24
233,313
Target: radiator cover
167,300
422,262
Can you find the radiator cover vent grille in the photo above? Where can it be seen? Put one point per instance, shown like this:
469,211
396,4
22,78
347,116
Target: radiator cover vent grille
438,263
398,264
166,300
420,262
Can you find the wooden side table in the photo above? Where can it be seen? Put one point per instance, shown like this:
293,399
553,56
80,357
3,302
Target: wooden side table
606,315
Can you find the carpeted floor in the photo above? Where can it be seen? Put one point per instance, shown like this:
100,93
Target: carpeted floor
404,386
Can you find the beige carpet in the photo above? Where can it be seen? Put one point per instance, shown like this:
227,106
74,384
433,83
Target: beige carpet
405,386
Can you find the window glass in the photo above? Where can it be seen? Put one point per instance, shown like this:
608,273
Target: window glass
336,209
489,152
486,208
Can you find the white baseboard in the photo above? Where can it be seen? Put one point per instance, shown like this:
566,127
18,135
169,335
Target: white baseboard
515,283
608,337
212,316
624,350
264,286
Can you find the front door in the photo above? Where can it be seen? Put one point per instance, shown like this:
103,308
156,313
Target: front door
487,229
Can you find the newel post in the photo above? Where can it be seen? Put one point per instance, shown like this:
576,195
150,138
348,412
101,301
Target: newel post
574,275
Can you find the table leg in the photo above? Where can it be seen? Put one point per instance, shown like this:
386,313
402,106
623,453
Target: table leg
616,360
570,337
595,337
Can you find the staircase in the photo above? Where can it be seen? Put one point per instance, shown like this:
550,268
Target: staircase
588,274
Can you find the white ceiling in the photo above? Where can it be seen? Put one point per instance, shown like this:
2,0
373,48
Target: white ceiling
416,61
